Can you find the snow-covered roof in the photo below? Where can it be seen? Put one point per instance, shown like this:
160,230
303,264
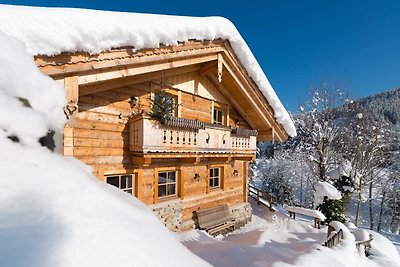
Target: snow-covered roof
51,31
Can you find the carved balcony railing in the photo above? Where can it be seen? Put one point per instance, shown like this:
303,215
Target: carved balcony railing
179,135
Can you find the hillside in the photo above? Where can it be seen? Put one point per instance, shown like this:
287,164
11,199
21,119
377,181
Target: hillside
383,106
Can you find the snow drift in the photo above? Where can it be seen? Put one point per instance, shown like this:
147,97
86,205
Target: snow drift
53,211
50,31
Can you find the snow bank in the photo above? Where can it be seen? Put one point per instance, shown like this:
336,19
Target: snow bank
307,212
383,251
344,254
53,211
50,31
323,189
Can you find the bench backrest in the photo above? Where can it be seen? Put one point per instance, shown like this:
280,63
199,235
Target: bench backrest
209,217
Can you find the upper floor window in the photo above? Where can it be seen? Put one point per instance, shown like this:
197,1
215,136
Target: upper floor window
218,116
167,183
123,182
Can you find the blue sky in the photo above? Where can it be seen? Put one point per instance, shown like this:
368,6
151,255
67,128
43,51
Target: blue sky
299,44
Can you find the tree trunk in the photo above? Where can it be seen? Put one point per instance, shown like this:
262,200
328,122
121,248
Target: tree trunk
359,202
381,210
371,215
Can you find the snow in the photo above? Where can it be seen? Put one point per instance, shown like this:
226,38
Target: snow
272,239
307,212
343,169
51,31
53,211
323,189
383,251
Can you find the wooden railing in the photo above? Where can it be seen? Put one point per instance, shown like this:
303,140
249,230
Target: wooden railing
334,239
261,197
366,244
147,135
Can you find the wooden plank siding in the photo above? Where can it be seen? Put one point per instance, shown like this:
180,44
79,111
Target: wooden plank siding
100,136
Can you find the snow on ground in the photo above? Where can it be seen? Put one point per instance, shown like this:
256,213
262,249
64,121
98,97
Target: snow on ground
50,31
272,239
53,211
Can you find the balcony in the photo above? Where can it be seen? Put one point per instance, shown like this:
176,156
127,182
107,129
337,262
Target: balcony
188,136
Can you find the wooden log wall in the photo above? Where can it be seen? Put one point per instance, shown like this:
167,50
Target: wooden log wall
100,138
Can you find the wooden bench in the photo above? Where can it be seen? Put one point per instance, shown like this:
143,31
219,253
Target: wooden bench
215,219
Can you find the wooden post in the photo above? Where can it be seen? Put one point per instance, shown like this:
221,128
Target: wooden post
181,177
155,185
270,202
258,197
245,188
139,184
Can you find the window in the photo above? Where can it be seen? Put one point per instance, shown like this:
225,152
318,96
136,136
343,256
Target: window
167,183
123,182
218,117
215,178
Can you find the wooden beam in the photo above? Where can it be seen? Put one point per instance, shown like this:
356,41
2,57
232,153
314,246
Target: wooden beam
181,183
245,174
117,83
141,161
225,92
127,71
69,63
231,58
155,201
251,97
207,67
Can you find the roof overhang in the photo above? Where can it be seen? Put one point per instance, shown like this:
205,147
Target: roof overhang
125,67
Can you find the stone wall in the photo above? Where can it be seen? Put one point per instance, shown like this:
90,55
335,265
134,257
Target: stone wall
169,213
241,213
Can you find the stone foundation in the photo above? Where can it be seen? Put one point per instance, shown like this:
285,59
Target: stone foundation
169,213
241,213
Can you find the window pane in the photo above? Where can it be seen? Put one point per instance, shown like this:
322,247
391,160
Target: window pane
219,113
126,181
171,189
162,177
216,172
211,172
113,180
171,177
211,182
216,182
162,190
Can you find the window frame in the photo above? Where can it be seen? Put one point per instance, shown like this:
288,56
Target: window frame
166,184
213,177
132,188
216,111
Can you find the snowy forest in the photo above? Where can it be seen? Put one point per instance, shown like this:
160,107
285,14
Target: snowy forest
353,145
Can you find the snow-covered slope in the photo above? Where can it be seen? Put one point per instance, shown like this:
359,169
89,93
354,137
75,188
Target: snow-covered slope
50,31
53,212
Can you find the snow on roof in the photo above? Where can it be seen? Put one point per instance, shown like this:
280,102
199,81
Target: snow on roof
53,211
307,212
323,189
50,31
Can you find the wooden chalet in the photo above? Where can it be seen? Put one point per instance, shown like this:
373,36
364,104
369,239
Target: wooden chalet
199,157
